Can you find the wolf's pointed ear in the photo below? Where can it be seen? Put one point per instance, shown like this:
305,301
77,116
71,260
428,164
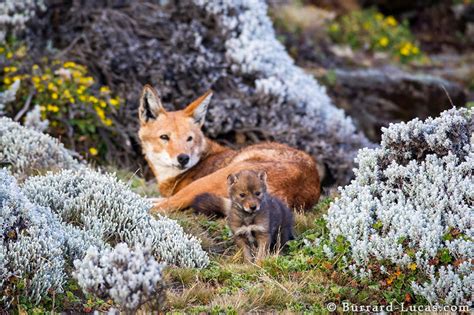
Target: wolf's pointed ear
262,175
198,108
231,179
150,105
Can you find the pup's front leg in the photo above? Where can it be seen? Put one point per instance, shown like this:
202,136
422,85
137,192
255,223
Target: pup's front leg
242,243
263,242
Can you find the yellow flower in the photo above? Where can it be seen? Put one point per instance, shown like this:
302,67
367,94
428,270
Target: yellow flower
412,266
104,89
60,81
390,21
45,77
76,74
67,94
102,104
6,69
107,122
42,108
9,55
51,86
35,67
100,112
383,41
415,50
82,98
69,64
379,16
114,101
366,26
2,50
7,80
16,78
93,99
53,108
93,151
13,69
54,96
21,52
36,79
405,50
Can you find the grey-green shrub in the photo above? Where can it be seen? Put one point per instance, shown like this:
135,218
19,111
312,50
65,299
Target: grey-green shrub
407,198
109,211
25,151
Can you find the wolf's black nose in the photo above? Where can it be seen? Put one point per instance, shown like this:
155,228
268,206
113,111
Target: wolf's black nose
253,207
183,159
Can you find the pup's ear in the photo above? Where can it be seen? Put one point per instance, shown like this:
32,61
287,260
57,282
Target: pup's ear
198,108
262,175
231,179
150,105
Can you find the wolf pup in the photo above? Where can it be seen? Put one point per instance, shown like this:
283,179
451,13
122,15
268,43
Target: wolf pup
257,219
187,164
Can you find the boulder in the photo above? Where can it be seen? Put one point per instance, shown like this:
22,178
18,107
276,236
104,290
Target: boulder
377,97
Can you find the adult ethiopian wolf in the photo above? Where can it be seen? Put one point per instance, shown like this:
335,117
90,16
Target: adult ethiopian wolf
187,164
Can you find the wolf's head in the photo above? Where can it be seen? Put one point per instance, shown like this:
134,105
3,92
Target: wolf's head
172,142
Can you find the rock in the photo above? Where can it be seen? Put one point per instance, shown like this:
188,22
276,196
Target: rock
374,98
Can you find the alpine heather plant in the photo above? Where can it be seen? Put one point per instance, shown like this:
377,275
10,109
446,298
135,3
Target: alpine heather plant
31,240
130,277
8,95
411,204
25,151
108,211
34,121
14,14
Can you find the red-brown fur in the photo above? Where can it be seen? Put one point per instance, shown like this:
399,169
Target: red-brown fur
292,174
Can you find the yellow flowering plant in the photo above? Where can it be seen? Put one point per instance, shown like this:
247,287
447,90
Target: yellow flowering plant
375,32
76,106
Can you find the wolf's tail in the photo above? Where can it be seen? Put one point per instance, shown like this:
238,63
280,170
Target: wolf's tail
211,204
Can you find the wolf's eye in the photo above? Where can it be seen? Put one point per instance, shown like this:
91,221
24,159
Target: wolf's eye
189,138
242,195
257,193
164,137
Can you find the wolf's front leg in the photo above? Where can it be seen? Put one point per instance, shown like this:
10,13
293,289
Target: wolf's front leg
214,183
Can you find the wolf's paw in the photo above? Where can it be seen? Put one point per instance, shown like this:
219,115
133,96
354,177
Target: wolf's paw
156,199
161,206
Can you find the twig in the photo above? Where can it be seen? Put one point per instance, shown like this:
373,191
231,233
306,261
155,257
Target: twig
447,94
25,107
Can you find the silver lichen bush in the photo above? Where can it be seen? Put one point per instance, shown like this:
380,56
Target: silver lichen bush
31,243
34,121
14,14
108,211
130,277
411,204
8,95
25,151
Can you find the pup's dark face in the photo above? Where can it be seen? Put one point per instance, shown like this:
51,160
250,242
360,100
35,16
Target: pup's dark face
247,190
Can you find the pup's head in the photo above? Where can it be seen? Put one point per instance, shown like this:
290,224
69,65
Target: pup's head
172,141
247,189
